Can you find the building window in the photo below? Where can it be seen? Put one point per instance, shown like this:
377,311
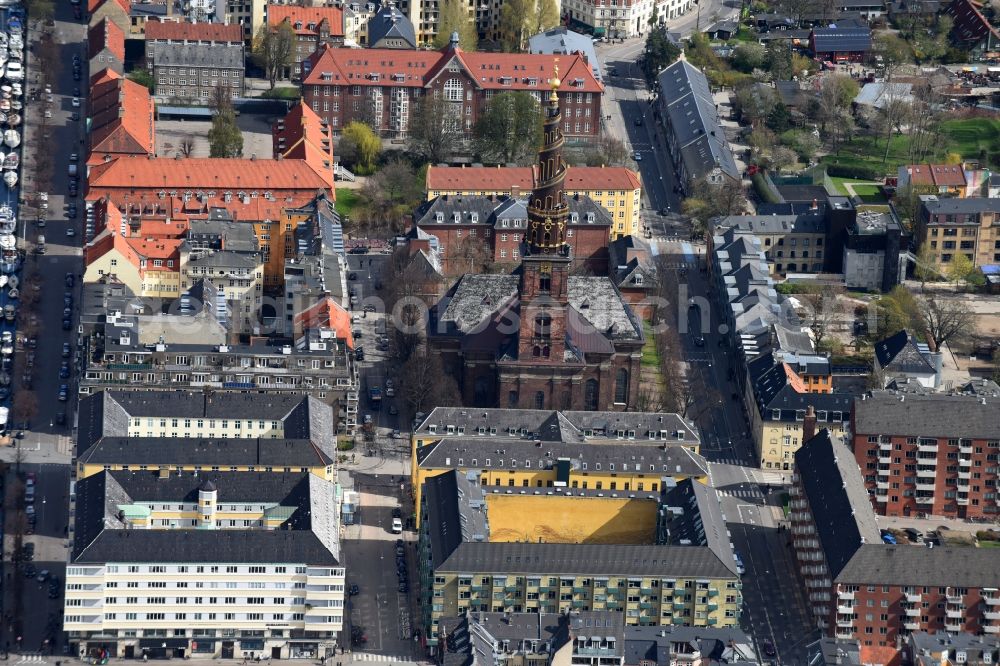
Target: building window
453,90
539,400
621,386
590,395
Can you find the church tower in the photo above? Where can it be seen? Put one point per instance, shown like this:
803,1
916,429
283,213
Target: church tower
546,254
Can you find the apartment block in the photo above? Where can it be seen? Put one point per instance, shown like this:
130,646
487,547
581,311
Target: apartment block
192,72
665,560
934,453
861,588
212,565
952,226
791,243
524,448
617,190
382,86
585,638
313,26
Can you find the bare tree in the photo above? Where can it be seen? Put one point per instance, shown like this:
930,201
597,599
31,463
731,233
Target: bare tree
469,255
821,311
186,146
424,383
944,320
273,49
24,407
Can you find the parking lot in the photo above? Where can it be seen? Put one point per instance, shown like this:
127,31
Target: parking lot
381,612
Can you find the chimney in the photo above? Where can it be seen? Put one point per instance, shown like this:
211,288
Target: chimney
515,191
815,204
809,424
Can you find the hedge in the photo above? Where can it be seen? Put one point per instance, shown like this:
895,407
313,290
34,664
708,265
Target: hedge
859,171
763,191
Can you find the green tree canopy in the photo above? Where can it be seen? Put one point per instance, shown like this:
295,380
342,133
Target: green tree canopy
454,17
360,146
660,53
433,133
273,49
509,130
224,137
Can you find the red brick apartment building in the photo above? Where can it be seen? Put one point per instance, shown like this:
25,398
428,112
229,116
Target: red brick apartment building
935,454
384,85
863,589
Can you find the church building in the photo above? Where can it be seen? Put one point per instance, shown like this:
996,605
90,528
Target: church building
541,338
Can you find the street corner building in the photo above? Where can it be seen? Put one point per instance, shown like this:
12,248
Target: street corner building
218,564
541,337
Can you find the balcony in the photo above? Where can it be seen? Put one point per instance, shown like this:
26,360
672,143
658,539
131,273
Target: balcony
954,614
847,633
992,615
953,598
845,624
884,460
844,595
992,601
925,486
712,592
952,625
992,629
912,597
882,485
925,499
965,475
845,609
581,590
911,612
885,446
911,625
926,473
965,462
927,448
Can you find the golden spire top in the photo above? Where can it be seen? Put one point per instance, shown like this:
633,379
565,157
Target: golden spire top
554,81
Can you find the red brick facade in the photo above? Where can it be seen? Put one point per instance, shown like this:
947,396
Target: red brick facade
383,86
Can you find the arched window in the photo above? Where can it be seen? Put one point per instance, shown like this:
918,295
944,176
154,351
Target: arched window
540,400
546,351
453,90
621,386
545,282
536,351
590,395
543,326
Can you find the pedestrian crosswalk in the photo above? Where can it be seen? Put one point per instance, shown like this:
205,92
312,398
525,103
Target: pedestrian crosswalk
743,494
736,462
30,659
384,658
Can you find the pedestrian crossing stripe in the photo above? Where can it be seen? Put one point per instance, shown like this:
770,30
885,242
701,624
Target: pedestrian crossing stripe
30,658
369,656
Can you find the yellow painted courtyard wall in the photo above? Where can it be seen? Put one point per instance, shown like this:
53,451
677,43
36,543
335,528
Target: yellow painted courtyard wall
576,519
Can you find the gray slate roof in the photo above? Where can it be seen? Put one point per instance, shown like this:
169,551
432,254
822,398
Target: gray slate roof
309,535
457,513
700,520
899,354
694,121
842,40
562,40
810,222
600,305
928,415
944,566
837,499
657,644
228,56
172,451
956,206
390,23
477,297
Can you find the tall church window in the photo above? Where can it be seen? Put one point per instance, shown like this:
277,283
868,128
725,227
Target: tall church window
543,326
540,400
453,90
545,280
621,386
590,395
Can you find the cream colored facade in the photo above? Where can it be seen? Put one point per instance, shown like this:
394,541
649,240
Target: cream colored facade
248,13
112,263
777,441
204,427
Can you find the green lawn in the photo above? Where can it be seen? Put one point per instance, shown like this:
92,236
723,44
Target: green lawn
347,201
650,356
989,544
871,194
969,136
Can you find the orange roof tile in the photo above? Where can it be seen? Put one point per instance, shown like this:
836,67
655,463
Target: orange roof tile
180,31
303,135
94,5
106,35
205,173
940,175
492,71
121,121
501,179
326,312
175,228
306,20
794,380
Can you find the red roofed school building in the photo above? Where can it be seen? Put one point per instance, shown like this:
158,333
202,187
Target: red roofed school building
313,26
121,118
384,85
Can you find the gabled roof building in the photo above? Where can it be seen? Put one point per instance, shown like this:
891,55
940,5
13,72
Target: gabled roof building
121,119
389,28
695,139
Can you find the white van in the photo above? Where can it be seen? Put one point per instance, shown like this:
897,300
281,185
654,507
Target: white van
14,71
397,525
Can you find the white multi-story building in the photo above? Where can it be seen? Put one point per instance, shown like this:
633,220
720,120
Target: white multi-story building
622,18
213,565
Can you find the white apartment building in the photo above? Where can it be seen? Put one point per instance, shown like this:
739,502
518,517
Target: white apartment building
622,18
216,565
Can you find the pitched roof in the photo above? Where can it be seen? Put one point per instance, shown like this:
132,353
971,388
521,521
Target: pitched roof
207,452
941,175
303,135
210,173
899,353
328,313
94,5
306,20
694,121
970,23
943,566
193,32
416,69
106,35
390,23
841,40
838,501
928,415
121,118
210,54
563,40
501,179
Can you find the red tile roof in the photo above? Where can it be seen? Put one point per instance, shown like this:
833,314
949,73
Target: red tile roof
281,177
179,31
106,34
148,205
492,71
970,23
938,175
306,20
121,118
501,179
94,5
326,312
303,135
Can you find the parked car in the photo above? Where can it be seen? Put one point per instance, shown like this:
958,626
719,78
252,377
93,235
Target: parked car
63,393
397,525
65,350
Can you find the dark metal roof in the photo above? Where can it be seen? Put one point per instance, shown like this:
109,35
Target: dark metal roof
842,40
928,415
881,564
206,452
899,354
390,23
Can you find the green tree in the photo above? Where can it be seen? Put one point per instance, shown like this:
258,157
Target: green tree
225,138
779,119
143,78
273,49
748,56
41,10
926,269
509,130
961,268
660,53
545,16
514,17
360,146
454,17
434,135
778,59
